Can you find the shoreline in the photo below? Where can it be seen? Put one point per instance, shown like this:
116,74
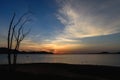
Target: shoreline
61,71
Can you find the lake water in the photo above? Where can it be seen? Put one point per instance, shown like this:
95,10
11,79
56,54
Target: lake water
94,59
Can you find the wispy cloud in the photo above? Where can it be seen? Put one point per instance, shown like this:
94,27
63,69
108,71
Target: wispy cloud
81,19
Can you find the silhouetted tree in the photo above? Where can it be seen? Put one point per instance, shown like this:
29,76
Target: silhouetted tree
9,41
16,31
19,36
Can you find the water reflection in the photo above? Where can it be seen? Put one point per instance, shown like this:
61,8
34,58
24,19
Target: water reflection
95,59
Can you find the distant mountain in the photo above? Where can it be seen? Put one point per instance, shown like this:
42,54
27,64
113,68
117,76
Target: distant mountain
36,52
4,50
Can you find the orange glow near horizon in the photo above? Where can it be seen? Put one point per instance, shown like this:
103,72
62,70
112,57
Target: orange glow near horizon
55,48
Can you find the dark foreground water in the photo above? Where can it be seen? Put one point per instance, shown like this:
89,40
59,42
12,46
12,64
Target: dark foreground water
94,59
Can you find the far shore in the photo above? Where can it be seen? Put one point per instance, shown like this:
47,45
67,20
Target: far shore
4,50
60,71
58,53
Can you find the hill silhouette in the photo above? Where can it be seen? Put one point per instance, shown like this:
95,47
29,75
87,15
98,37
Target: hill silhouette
4,50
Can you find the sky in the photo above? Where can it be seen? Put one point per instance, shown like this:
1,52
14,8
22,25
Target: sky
65,26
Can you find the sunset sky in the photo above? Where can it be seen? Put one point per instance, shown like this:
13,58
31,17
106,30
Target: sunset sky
66,26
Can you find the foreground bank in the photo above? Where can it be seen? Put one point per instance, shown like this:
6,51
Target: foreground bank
58,71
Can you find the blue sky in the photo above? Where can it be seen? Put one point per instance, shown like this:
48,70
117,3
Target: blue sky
66,26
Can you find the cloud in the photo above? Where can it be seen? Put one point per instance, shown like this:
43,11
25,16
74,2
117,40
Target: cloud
85,19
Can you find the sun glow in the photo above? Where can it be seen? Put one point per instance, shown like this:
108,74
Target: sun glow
61,48
56,47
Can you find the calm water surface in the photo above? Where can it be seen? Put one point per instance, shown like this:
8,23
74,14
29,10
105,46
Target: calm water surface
95,59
